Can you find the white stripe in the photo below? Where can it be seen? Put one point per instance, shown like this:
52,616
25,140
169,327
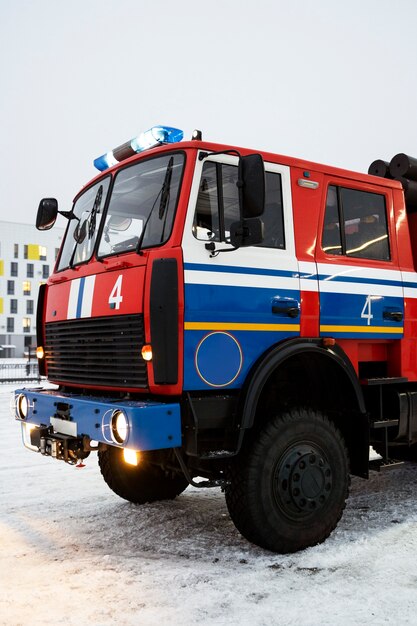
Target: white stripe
197,277
87,302
366,289
410,292
308,267
409,277
354,271
309,284
73,299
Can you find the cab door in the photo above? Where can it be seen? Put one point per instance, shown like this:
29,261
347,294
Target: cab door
360,284
238,302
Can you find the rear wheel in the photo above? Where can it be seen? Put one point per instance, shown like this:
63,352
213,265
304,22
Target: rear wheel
145,482
289,489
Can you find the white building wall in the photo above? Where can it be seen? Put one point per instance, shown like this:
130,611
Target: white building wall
17,241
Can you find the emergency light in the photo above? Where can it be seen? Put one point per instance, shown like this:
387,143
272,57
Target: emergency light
155,136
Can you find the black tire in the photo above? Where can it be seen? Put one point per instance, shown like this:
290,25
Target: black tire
145,482
288,490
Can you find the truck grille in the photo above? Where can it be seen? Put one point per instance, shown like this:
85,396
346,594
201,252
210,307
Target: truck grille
99,351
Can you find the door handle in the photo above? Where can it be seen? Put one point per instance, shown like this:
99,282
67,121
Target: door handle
285,306
395,316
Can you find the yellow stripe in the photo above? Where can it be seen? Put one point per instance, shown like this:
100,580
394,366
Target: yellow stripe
235,326
361,329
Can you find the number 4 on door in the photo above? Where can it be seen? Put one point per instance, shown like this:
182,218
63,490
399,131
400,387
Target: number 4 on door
116,298
366,311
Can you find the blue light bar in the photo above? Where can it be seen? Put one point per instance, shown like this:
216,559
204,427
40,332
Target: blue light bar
155,136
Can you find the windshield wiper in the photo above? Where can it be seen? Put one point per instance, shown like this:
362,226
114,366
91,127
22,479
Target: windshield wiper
164,193
87,226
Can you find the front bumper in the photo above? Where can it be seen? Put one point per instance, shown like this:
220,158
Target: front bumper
150,425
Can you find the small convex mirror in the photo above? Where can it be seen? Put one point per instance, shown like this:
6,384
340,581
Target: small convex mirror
47,213
248,232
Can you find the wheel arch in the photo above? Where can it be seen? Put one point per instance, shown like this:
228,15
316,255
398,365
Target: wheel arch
304,372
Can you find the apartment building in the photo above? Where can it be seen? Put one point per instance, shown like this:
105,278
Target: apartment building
27,257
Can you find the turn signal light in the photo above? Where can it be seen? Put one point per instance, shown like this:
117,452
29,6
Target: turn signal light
147,352
40,353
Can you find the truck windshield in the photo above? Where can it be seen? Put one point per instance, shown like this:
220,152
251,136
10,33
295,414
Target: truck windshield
83,227
142,205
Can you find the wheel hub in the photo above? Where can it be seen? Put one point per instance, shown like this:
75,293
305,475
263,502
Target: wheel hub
303,480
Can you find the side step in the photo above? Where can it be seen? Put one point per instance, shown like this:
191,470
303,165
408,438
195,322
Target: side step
382,465
394,380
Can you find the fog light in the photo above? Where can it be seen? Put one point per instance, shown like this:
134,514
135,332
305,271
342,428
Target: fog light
119,426
22,406
147,352
40,352
131,456
27,430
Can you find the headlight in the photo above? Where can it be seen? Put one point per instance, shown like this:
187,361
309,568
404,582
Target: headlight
119,426
22,406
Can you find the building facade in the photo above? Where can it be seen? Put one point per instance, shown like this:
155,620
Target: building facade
27,257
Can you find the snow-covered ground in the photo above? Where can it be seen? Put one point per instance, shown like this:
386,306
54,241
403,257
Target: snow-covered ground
72,552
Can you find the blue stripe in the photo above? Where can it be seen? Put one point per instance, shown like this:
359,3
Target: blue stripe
228,269
229,304
371,281
80,297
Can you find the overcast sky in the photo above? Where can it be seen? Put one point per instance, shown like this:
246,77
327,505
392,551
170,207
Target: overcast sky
333,82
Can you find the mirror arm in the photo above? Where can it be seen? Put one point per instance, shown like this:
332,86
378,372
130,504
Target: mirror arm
204,155
69,215
211,247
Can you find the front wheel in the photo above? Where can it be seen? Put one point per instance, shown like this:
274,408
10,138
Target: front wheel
145,482
287,491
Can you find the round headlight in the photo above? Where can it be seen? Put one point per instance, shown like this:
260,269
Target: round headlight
119,426
22,406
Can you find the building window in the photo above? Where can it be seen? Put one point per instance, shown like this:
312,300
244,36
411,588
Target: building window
29,307
16,250
45,271
56,253
42,253
13,305
10,325
26,287
13,268
25,251
26,324
29,270
10,287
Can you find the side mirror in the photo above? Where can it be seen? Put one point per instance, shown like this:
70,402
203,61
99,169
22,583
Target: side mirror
251,182
248,232
47,213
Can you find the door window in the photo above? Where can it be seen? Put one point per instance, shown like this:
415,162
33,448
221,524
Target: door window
218,205
355,224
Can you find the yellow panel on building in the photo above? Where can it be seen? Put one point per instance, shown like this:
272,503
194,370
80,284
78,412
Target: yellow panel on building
1,267
1,305
33,252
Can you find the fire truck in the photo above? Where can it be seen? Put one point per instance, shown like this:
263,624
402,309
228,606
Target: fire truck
228,318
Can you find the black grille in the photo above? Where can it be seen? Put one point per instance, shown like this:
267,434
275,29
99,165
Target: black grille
100,351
